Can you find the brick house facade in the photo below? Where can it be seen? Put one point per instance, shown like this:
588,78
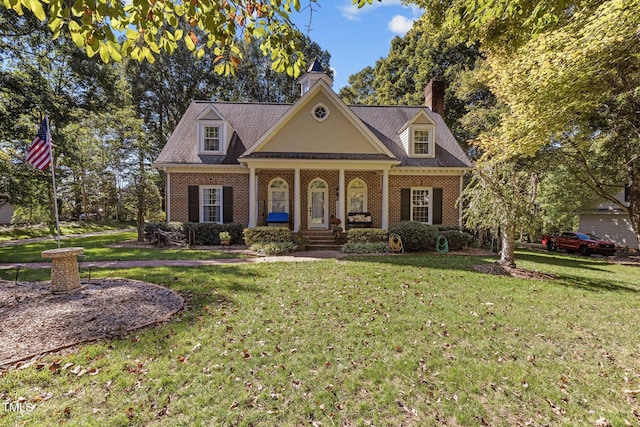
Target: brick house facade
313,160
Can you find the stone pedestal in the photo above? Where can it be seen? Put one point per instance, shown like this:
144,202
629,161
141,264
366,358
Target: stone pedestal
65,276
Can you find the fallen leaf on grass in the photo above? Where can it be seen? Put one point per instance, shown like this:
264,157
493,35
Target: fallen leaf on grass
55,366
556,409
602,422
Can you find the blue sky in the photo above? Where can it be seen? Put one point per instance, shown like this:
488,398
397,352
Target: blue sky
354,37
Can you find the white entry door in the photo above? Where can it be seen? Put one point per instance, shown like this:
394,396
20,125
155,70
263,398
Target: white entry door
318,204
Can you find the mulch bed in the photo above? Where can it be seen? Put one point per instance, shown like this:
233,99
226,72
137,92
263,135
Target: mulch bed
503,270
34,321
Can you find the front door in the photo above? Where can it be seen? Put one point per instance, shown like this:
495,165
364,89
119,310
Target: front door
318,204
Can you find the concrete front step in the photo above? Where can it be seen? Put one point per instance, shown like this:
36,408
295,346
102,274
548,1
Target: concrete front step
321,240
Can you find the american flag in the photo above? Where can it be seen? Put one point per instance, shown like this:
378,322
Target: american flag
39,154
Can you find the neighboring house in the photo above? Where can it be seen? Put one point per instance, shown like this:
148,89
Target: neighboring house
6,213
608,221
313,160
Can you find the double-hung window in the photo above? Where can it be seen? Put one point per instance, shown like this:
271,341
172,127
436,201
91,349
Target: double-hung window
422,141
421,205
211,204
211,137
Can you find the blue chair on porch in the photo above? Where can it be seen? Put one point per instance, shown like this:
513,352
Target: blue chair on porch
278,219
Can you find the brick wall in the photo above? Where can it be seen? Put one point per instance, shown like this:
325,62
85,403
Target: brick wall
240,183
179,198
450,192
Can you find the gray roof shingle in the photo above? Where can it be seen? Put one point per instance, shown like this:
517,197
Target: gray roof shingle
251,120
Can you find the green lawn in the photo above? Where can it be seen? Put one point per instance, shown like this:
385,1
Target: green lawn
97,248
66,229
392,340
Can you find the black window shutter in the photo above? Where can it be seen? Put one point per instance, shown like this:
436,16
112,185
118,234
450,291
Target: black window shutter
194,203
405,204
227,204
437,206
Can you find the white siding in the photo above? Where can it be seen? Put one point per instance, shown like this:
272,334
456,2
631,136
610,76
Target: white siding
6,212
404,137
614,226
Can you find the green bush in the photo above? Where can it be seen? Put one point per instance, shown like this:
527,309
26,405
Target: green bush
456,239
366,235
365,248
275,248
151,229
416,236
266,235
208,233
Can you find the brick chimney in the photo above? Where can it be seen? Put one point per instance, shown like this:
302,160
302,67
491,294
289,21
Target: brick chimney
434,95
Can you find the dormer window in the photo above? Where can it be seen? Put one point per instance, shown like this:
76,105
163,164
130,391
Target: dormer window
211,137
421,141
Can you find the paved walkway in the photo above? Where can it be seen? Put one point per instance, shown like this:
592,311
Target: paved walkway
294,257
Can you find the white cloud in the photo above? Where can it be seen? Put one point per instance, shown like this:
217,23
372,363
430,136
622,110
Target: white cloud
351,11
400,24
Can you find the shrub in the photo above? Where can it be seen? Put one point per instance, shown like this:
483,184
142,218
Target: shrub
365,248
275,248
457,239
366,235
208,233
151,229
266,235
416,236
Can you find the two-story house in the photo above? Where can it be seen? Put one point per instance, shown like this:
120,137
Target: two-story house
313,160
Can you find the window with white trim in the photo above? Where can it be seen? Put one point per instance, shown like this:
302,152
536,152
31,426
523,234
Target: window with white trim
422,141
211,203
421,204
211,137
357,196
278,195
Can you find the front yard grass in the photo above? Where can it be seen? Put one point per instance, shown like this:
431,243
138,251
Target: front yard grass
389,340
66,228
100,248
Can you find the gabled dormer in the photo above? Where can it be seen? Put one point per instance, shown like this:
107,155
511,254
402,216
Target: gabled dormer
418,136
213,132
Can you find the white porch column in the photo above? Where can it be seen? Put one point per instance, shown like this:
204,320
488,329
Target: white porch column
253,220
385,199
297,206
341,197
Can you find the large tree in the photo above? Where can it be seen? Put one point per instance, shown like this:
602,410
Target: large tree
154,26
413,60
567,74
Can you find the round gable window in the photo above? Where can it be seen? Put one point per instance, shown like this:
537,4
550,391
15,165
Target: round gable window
320,112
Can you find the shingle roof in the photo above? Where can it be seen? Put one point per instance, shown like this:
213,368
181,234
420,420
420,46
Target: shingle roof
251,120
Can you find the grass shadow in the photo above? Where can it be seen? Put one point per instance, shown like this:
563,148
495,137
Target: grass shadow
588,274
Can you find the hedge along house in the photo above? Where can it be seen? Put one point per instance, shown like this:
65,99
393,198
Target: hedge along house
313,160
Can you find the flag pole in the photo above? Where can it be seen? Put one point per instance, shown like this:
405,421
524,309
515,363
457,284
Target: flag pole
53,179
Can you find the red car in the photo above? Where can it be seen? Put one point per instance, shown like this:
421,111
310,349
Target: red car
585,243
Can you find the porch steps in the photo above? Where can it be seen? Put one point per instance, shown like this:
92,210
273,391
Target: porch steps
320,240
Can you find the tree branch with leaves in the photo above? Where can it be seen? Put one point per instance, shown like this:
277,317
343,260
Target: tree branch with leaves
152,26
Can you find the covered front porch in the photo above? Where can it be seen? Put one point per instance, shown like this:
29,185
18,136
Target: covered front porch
313,193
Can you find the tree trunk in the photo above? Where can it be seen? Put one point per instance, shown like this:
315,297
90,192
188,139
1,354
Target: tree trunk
140,190
507,254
